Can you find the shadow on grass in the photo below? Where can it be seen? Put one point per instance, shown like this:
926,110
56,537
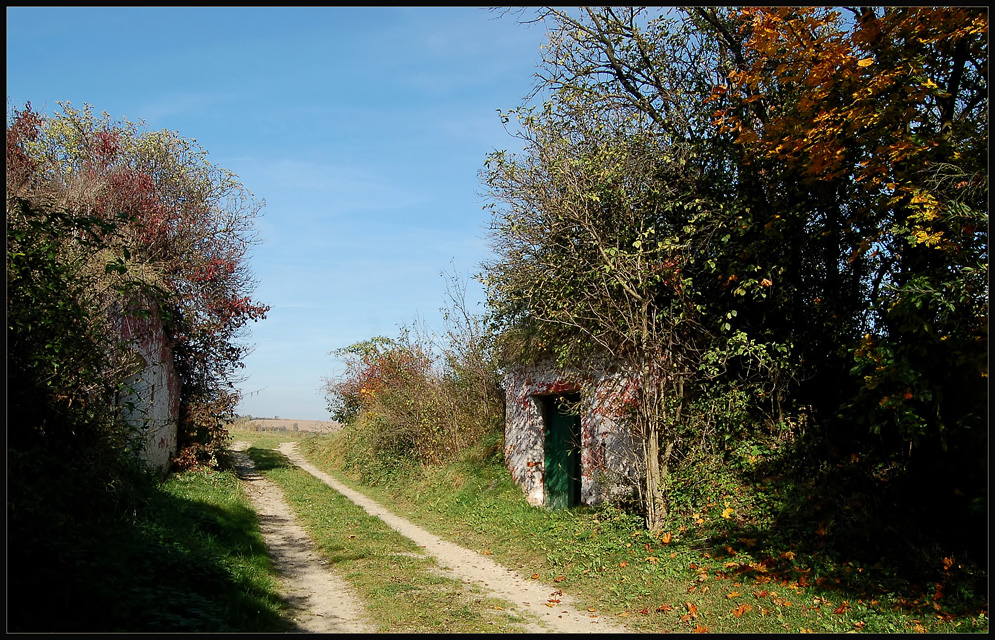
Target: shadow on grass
848,527
170,564
268,459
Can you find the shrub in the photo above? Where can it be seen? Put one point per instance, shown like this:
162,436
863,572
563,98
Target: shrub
404,399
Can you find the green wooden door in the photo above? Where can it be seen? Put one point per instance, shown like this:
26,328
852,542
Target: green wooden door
562,444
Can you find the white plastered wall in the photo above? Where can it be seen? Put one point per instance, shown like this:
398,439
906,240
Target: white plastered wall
609,457
151,402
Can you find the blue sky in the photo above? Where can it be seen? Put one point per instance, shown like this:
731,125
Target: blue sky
364,129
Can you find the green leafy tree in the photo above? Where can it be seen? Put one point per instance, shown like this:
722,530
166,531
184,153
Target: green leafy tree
606,227
181,226
819,184
65,270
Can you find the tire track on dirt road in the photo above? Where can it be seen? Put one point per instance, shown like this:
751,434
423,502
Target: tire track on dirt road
320,600
473,568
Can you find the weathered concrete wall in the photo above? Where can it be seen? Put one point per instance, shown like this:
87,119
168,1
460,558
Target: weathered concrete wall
153,404
609,456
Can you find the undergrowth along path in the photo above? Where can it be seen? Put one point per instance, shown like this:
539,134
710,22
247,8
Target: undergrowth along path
320,600
554,610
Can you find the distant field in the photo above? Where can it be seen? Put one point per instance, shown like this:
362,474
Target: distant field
288,424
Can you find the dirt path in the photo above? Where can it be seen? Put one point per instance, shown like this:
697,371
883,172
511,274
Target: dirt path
321,601
473,568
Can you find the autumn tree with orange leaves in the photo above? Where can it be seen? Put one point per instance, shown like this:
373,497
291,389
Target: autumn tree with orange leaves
828,172
880,119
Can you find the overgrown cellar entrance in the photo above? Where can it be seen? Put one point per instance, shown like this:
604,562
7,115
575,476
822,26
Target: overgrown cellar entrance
562,451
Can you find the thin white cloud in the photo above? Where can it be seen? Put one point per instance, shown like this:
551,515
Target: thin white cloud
185,104
340,187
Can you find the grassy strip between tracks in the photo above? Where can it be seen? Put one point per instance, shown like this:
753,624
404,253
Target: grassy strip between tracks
399,585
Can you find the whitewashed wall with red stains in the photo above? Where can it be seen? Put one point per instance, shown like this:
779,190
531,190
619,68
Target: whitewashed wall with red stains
152,402
609,455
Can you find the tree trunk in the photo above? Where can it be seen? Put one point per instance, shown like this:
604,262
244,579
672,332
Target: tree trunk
656,505
654,496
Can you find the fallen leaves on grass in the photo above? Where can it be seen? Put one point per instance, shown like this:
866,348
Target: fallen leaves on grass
741,609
